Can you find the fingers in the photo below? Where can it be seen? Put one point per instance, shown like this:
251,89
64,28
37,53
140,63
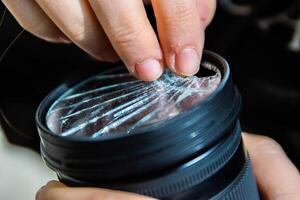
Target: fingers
34,20
276,176
57,191
181,25
77,21
127,26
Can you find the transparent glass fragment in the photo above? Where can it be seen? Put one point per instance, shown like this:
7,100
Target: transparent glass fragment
107,104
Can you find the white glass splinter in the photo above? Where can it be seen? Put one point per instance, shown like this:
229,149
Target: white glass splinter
107,104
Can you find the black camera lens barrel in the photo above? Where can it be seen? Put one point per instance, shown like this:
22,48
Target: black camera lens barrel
224,166
152,147
195,155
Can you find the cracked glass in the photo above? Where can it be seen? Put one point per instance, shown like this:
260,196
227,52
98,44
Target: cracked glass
113,103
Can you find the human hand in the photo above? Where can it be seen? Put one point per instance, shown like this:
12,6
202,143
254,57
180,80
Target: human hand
277,177
113,29
55,190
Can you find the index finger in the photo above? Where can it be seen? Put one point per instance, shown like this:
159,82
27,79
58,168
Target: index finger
132,36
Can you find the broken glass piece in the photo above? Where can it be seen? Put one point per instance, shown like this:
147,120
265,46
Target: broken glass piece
114,103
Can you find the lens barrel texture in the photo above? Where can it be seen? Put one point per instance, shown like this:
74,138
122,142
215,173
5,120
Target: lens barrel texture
197,153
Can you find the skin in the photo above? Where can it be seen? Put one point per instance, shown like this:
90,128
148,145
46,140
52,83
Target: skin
276,176
110,30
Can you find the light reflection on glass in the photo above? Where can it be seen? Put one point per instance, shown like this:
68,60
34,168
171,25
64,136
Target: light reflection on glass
107,104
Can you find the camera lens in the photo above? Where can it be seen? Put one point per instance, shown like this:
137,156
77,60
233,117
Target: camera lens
174,138
108,104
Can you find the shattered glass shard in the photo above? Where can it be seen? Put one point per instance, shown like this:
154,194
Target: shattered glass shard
107,104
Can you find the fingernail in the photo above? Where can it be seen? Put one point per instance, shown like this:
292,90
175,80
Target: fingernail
187,62
149,70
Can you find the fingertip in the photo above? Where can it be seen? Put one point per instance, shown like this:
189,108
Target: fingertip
39,192
149,70
187,62
54,183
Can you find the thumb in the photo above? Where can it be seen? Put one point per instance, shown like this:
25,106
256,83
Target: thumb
276,176
55,190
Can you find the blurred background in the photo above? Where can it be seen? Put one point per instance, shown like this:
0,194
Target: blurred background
259,38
